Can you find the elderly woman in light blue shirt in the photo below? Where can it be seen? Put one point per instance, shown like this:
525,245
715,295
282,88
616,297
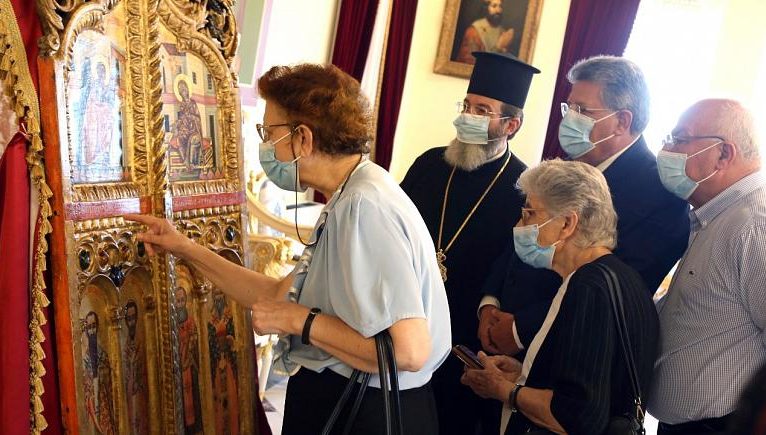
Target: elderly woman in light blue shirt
369,266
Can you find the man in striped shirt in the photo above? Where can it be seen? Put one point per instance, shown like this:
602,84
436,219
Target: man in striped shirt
713,318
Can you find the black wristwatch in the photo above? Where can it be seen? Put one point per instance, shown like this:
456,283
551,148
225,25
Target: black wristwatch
307,325
513,397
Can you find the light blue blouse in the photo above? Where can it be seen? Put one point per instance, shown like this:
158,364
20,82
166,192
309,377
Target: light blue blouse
374,265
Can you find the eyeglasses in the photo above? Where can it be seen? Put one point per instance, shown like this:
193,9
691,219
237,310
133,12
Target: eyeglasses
463,107
565,107
528,212
672,141
263,131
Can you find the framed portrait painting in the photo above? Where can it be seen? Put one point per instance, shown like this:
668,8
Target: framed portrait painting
500,26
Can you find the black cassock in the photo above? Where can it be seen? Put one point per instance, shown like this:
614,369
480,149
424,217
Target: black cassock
485,237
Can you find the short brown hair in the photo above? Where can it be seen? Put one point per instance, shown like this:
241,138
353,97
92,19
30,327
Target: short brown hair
327,100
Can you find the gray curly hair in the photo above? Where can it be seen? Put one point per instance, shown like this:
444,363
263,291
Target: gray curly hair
570,186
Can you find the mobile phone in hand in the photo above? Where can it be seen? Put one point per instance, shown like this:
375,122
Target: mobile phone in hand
467,356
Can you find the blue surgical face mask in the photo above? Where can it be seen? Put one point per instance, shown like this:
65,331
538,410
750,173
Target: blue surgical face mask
529,250
574,133
283,174
472,128
672,169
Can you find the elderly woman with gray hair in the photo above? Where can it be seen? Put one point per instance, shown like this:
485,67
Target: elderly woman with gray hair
574,377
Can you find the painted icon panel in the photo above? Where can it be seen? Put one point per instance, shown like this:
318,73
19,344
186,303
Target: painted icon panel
190,114
96,103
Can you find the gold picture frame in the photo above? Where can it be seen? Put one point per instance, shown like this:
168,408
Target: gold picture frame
470,26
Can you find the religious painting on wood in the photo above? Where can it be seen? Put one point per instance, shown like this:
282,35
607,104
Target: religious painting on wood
189,350
190,112
97,365
133,330
96,93
499,26
223,365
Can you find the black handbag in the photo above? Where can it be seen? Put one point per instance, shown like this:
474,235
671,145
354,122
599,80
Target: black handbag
389,386
630,423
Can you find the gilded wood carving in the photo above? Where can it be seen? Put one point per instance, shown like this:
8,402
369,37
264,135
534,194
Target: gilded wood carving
148,122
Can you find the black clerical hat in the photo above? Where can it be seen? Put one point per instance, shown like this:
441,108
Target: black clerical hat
502,77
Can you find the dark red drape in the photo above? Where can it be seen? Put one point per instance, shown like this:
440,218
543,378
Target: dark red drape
394,73
594,27
29,27
353,34
14,288
30,31
356,20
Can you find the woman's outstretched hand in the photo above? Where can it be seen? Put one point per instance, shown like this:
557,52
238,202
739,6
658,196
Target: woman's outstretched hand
160,234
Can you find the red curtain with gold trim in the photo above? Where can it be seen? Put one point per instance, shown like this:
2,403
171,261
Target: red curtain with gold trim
39,376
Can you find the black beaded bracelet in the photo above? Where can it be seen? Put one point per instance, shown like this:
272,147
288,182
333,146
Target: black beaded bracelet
307,326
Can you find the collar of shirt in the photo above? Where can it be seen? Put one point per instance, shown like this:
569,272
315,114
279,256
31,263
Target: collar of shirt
605,164
703,215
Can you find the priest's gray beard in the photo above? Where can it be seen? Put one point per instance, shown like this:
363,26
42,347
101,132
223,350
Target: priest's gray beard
469,156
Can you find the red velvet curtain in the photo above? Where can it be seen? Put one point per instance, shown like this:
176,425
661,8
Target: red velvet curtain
14,288
594,27
356,21
394,73
29,28
353,34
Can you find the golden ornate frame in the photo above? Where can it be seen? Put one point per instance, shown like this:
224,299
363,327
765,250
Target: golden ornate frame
206,29
182,19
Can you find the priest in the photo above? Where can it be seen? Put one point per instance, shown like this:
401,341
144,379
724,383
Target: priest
466,194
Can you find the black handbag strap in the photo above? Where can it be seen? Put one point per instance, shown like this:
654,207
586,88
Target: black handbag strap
615,296
394,380
389,387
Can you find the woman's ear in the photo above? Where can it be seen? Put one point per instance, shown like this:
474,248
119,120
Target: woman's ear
570,224
304,139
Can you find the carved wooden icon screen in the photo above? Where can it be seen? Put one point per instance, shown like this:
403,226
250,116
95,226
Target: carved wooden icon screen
140,114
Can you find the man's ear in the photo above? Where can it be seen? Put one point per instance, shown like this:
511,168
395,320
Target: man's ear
728,154
303,140
512,126
624,121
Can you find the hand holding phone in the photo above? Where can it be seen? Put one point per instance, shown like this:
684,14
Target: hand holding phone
467,356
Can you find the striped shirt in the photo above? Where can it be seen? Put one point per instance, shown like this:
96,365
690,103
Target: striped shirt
713,318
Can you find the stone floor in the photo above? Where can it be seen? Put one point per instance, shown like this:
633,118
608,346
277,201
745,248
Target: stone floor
274,404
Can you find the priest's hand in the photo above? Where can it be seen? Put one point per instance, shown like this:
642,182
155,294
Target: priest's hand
501,333
160,235
486,320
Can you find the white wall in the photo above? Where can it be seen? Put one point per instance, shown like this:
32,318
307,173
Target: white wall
297,31
291,32
428,103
